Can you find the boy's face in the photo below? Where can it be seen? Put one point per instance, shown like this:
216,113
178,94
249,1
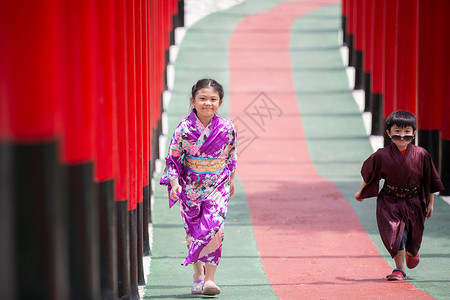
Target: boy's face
401,136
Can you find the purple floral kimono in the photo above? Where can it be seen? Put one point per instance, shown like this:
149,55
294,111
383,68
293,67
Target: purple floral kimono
202,158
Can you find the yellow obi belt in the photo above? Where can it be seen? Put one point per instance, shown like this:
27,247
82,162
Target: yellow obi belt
204,165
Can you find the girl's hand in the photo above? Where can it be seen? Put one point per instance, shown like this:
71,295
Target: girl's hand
231,187
176,188
429,211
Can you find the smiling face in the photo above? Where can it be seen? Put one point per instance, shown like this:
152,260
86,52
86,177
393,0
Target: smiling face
401,136
206,102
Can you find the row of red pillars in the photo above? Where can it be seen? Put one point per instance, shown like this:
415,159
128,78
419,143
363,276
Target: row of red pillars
81,84
399,49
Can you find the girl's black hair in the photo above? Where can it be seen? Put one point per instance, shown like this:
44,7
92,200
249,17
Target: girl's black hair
401,118
206,83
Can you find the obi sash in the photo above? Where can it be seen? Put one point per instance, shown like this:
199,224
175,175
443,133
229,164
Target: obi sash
401,192
204,165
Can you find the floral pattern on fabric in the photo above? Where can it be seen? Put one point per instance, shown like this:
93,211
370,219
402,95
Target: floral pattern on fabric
204,196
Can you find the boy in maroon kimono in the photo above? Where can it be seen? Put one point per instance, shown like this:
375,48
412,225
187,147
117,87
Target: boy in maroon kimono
410,179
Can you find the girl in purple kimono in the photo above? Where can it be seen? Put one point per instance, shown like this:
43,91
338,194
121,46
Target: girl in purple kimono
406,199
199,173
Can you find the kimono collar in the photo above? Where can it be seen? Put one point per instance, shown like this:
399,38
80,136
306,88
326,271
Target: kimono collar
198,124
398,150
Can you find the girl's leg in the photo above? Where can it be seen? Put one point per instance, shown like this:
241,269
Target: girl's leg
198,269
210,271
210,287
400,259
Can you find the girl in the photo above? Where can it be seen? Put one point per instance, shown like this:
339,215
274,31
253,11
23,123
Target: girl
199,173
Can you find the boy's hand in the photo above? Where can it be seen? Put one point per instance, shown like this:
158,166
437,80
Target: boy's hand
429,211
357,198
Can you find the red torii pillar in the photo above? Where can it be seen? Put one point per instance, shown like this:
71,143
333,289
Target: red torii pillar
146,122
350,31
431,74
368,10
445,112
140,134
358,44
122,191
389,50
33,223
81,93
344,8
132,142
105,112
406,56
377,67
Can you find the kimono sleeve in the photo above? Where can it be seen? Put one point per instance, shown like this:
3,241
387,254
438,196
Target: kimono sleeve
232,154
431,181
371,173
173,159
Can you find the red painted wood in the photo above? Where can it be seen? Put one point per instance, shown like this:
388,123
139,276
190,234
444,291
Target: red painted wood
145,93
351,16
368,16
406,56
445,43
390,45
121,172
81,81
344,8
358,24
30,68
431,70
139,99
105,117
377,65
131,100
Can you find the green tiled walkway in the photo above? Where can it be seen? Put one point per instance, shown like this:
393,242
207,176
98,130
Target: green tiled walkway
336,139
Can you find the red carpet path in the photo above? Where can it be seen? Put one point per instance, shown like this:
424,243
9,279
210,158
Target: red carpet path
311,243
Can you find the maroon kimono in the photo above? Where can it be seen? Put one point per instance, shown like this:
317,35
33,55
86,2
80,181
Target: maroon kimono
413,172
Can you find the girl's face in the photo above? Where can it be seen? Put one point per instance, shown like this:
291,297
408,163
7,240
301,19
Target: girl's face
401,136
206,102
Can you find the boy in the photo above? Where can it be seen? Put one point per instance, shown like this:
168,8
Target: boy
407,195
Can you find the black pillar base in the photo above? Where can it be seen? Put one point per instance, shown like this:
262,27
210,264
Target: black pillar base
34,243
344,31
7,246
83,233
133,218
140,243
108,240
181,13
359,82
172,32
351,61
445,166
376,109
367,88
145,220
123,250
429,139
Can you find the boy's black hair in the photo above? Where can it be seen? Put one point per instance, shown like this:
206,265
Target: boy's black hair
401,118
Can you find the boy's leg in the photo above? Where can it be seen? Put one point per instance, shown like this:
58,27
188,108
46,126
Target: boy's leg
399,259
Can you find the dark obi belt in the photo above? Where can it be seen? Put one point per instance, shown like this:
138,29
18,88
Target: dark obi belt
401,192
